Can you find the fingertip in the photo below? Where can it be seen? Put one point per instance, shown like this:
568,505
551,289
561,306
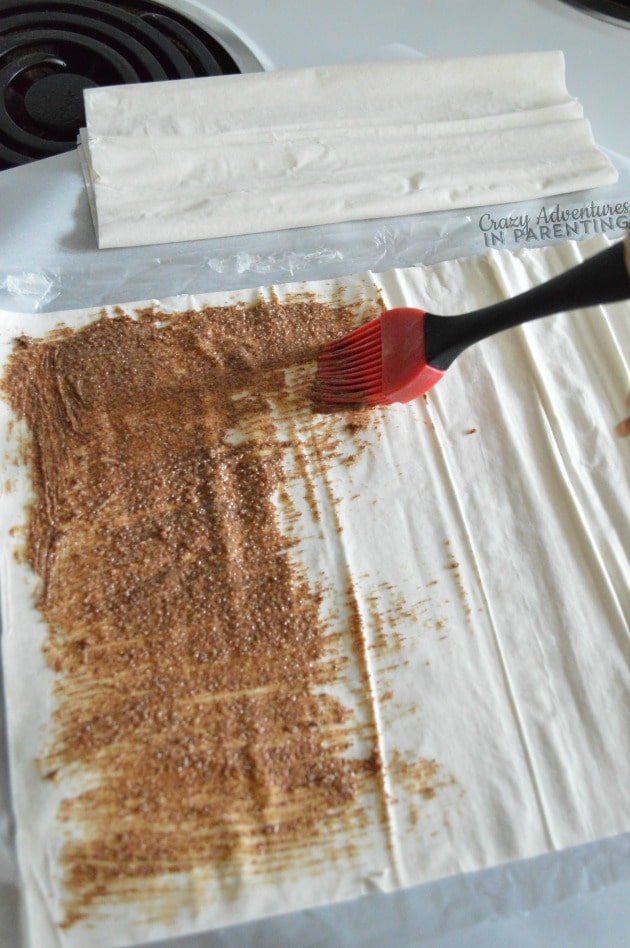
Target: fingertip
623,428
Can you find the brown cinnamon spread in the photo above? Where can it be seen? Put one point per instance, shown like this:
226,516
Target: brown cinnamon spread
187,647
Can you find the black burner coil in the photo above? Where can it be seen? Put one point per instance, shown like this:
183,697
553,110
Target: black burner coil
51,50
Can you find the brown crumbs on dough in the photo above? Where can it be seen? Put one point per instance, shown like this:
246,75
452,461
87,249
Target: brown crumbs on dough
186,647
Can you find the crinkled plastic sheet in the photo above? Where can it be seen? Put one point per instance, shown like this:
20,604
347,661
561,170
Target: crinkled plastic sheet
76,274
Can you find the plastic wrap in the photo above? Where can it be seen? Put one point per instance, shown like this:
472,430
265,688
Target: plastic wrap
71,272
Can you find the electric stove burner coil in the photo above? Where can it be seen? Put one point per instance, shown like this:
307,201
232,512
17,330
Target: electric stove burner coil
51,50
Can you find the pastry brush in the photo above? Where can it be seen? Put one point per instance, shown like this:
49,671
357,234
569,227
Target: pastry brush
404,352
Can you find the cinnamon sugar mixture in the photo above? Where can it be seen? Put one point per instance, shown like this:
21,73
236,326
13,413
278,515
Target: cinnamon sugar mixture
187,647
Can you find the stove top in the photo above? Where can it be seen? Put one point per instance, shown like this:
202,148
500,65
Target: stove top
51,50
614,11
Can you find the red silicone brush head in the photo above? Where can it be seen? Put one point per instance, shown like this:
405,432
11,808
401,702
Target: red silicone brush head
380,363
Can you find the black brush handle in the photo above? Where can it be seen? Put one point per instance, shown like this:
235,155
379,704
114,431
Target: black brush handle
603,278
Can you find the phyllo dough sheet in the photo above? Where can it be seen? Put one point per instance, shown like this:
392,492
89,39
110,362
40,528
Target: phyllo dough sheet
259,659
243,154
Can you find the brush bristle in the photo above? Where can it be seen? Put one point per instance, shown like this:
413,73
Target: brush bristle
350,369
381,363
